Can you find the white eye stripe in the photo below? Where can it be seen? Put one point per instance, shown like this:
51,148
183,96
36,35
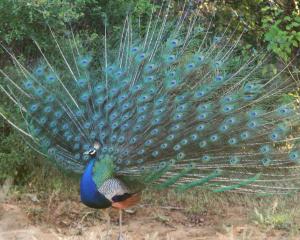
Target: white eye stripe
91,152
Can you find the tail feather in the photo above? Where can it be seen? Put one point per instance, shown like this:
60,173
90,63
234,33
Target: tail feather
175,107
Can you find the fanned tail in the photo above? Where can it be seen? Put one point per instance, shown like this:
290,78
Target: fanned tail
173,107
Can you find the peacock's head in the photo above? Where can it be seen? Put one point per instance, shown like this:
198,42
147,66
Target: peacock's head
89,194
92,152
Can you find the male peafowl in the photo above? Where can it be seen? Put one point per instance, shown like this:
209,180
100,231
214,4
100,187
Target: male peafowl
173,107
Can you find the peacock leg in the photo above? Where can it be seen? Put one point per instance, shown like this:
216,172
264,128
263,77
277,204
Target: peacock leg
120,226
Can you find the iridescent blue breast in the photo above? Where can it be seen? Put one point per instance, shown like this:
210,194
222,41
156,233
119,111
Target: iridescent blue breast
89,193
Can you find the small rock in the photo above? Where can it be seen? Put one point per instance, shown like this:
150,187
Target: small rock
130,211
32,197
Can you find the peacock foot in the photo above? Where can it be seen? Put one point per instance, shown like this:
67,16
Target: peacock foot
121,237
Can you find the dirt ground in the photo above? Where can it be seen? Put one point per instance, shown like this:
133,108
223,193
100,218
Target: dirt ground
31,220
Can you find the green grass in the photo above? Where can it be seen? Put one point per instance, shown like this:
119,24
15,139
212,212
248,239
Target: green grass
279,213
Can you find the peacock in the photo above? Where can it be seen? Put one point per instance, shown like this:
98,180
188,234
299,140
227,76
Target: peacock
173,106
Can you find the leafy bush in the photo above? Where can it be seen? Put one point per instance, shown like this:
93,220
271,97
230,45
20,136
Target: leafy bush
282,31
16,159
275,25
22,21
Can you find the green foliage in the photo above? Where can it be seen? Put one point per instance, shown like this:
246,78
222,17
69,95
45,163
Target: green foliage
17,160
275,25
278,215
282,31
22,21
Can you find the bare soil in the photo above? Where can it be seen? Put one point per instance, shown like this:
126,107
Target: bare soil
30,219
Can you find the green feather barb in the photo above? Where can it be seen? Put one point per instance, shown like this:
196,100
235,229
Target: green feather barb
103,169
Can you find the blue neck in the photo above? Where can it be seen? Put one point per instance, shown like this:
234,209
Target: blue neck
89,193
